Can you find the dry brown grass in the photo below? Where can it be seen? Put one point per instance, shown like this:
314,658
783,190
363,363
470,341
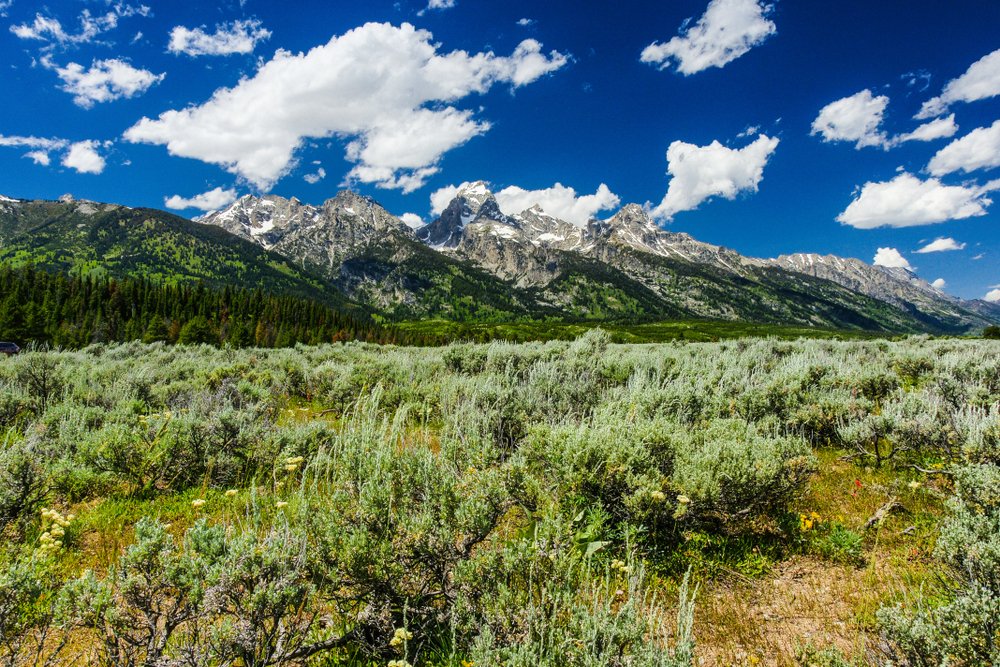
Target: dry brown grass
806,600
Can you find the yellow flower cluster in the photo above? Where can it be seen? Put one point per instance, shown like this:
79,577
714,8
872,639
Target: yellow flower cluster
398,663
620,566
198,503
54,527
658,496
231,492
292,464
400,637
807,521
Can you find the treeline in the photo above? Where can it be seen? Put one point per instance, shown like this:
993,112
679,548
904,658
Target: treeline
71,312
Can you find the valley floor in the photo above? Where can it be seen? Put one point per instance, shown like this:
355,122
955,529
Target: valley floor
749,502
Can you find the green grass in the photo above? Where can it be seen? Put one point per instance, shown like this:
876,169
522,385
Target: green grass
657,332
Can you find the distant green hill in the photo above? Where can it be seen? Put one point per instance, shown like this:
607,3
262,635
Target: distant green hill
104,240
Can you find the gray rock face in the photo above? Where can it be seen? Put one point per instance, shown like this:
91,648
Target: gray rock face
898,286
321,236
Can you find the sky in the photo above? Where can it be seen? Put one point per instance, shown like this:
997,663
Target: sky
856,128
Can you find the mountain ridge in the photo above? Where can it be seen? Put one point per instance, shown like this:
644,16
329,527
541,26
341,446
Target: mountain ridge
476,262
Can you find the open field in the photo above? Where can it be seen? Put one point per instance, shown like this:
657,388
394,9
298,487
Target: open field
655,332
758,501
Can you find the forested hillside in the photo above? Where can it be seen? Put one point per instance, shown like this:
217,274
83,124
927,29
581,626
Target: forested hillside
74,311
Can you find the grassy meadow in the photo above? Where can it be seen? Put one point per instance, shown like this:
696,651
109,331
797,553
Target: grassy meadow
580,503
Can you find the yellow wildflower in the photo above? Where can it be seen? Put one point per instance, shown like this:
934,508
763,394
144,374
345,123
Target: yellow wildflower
231,492
280,504
197,503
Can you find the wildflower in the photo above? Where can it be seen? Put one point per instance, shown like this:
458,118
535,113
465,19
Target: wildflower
231,492
620,566
398,663
291,467
400,637
295,460
805,523
683,500
197,503
658,496
280,504
468,663
914,485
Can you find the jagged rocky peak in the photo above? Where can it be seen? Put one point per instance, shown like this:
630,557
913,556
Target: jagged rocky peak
473,203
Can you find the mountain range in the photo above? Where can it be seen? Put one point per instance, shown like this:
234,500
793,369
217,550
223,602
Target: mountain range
476,262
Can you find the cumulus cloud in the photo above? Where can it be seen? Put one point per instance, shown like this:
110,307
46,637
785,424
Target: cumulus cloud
857,118
940,283
942,245
727,30
891,258
980,81
907,201
4,6
701,172
229,38
104,81
39,157
206,201
84,158
40,147
979,149
412,220
993,296
525,22
386,88
559,201
940,128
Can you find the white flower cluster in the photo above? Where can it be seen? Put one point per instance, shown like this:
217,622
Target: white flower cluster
54,527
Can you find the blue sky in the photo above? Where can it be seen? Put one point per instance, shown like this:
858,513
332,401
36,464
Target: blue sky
842,128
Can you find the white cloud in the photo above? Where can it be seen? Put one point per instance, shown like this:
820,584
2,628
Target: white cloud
385,87
727,30
559,201
412,220
228,38
857,118
891,258
942,245
940,128
50,30
4,6
980,81
940,283
441,197
104,81
39,157
33,142
907,201
525,22
84,158
701,172
437,4
993,296
979,149
315,177
206,201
